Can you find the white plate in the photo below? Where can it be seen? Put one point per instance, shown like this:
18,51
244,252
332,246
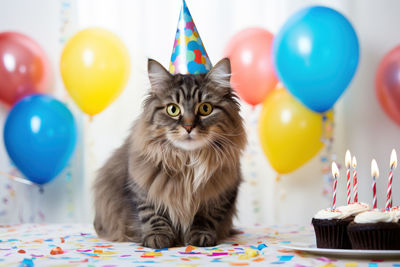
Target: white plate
349,253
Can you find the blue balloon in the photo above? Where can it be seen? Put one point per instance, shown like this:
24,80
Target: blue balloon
316,55
40,137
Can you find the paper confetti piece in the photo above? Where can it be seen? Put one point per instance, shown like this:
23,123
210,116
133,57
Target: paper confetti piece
27,263
261,246
372,264
259,259
56,251
284,250
104,246
161,249
243,257
285,257
151,254
251,252
21,251
351,264
217,254
239,263
189,249
82,261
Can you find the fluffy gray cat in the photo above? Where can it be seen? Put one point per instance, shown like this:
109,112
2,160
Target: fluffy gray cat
175,179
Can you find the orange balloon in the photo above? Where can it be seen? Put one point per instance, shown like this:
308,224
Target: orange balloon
253,76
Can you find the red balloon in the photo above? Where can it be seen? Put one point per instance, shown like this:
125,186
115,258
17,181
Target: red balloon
387,84
253,76
24,68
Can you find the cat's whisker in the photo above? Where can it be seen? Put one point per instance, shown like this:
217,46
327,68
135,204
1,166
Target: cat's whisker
218,151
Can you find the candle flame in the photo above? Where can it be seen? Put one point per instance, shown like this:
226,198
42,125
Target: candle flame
393,159
347,159
335,170
354,162
374,169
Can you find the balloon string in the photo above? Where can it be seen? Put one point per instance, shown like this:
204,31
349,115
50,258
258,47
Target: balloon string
277,203
327,155
16,178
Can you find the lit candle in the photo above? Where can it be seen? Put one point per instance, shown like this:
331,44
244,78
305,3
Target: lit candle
348,165
393,165
355,189
375,175
335,174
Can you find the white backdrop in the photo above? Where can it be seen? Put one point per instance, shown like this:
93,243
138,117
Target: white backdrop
148,29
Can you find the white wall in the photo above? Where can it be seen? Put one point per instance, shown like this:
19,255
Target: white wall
148,28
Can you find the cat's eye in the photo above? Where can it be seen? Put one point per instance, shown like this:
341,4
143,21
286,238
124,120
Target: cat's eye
205,109
173,110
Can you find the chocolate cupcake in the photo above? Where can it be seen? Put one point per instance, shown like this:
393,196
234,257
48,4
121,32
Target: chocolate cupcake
376,230
331,225
330,228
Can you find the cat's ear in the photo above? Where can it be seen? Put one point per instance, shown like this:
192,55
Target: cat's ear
159,77
221,73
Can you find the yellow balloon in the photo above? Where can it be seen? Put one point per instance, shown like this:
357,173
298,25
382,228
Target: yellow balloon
290,133
95,68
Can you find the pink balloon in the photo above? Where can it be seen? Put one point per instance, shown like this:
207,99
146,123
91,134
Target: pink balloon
253,76
24,68
387,84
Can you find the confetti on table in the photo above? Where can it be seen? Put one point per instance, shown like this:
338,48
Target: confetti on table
285,258
261,246
27,263
189,249
77,245
251,252
56,251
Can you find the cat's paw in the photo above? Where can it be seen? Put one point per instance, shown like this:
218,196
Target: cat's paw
202,239
158,241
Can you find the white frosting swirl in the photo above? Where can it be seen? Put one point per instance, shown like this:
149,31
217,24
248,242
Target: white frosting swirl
375,216
328,214
396,212
354,208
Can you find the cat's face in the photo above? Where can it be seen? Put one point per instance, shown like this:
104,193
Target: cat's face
192,111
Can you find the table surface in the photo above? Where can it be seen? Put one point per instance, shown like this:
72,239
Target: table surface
78,245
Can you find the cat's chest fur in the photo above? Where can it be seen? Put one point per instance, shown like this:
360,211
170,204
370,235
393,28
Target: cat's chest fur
181,190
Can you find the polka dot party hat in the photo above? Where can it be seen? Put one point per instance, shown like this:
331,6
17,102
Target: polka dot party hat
188,55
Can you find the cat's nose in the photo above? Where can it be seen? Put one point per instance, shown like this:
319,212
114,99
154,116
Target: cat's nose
188,127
